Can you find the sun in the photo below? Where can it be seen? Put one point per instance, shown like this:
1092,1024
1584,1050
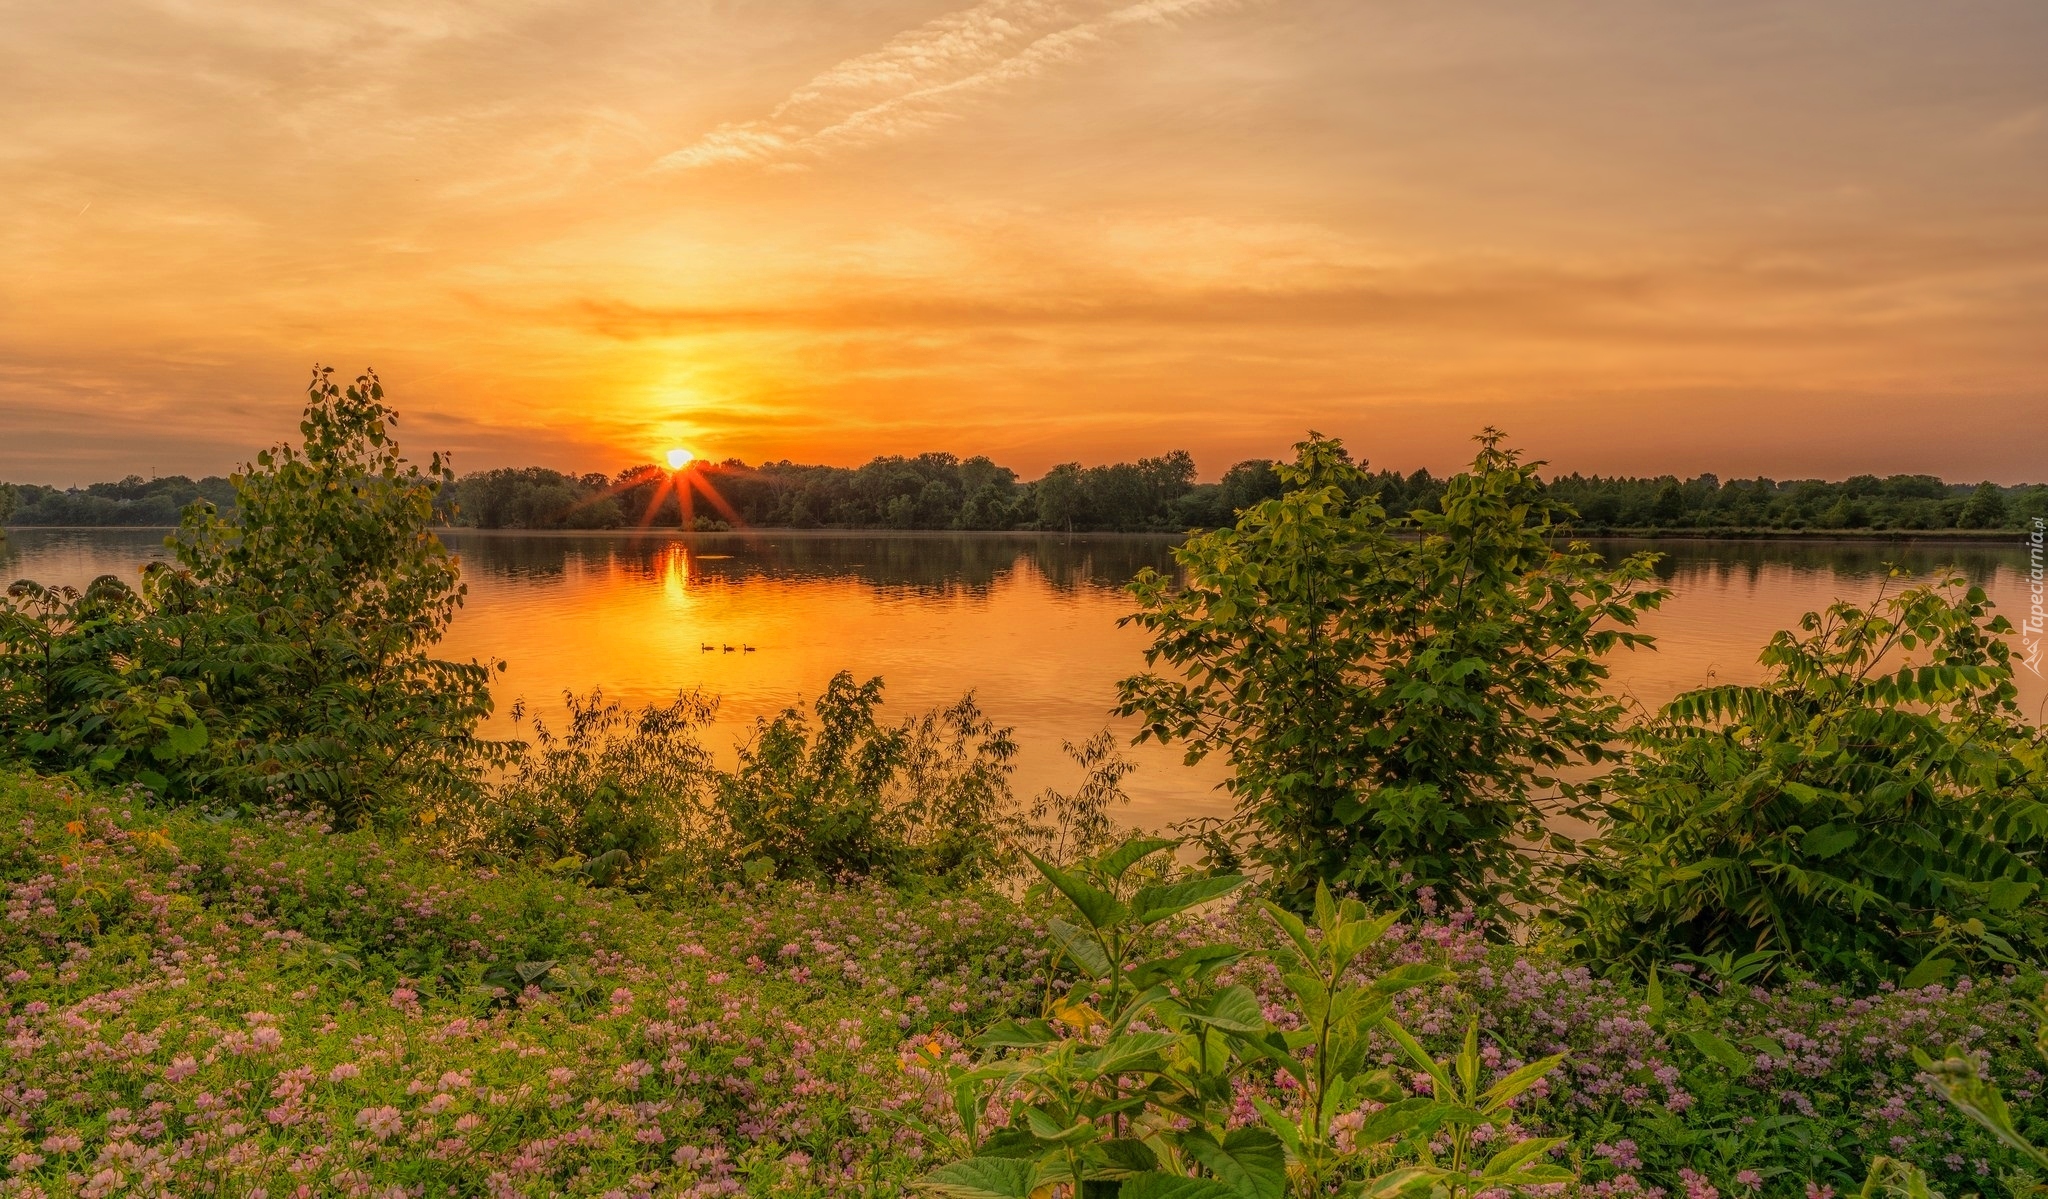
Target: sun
678,459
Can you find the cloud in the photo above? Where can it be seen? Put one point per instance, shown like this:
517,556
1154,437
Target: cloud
921,77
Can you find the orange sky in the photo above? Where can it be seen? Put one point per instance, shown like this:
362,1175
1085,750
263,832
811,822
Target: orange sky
1804,239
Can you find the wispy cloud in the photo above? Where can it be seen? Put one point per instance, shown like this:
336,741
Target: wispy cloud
922,76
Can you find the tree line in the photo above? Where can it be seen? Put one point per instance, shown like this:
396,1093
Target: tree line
942,491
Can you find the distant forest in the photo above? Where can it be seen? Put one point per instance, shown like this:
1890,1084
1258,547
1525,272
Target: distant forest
941,491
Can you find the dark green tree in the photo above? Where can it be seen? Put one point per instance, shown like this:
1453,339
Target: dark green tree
1395,694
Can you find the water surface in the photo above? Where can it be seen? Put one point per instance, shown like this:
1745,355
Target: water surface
1028,623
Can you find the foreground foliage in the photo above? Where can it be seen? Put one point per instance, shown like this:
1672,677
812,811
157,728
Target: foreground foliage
208,1004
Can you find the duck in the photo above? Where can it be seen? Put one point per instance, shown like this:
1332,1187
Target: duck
707,647
745,648
728,649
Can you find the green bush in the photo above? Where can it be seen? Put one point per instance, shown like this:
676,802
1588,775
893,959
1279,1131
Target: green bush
1394,693
1873,809
288,654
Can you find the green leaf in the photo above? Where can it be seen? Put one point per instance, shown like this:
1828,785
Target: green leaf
1010,1034
1153,904
1399,1184
1130,853
1233,1009
1504,1091
1126,1156
1394,1121
1250,1161
1131,1051
1098,907
1504,1163
1080,947
1715,1049
1159,1185
1828,840
1290,924
982,1178
1932,969
1402,978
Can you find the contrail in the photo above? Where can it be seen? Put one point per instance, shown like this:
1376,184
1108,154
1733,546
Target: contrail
921,76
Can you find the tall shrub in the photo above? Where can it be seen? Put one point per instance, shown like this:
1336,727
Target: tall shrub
288,653
1396,694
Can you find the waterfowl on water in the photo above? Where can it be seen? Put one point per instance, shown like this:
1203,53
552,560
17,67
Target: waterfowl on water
728,649
707,647
745,648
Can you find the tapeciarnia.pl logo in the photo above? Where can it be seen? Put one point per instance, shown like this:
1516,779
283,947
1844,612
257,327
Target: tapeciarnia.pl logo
2036,622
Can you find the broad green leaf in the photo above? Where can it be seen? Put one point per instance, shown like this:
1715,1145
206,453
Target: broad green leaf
1080,948
1125,1156
1130,853
982,1178
1279,1125
1158,1185
1394,1121
1097,906
1402,978
1398,1184
1719,1051
1153,904
1290,924
1420,1056
1504,1091
1131,1051
1012,1034
1828,840
1233,1009
1520,1154
1932,969
1250,1161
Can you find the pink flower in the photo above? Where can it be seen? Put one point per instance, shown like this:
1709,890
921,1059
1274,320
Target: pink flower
382,1123
344,1071
267,1038
181,1068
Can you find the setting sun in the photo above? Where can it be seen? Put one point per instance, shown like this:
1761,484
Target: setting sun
678,459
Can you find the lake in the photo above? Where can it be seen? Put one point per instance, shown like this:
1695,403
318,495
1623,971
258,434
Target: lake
1029,623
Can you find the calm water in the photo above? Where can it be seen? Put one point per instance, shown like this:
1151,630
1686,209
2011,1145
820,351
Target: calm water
1028,623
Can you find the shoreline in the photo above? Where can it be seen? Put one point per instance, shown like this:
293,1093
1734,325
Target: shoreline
1808,536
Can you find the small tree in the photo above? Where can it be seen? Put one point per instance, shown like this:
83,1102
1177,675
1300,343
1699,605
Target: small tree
290,652
1395,694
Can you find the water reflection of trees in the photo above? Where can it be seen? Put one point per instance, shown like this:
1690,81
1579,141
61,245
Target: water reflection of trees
926,564
1847,560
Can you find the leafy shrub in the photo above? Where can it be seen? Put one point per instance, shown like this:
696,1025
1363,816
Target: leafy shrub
611,797
1874,807
1394,693
1137,1077
287,654
928,797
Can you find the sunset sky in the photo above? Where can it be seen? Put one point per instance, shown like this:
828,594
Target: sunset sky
1795,239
